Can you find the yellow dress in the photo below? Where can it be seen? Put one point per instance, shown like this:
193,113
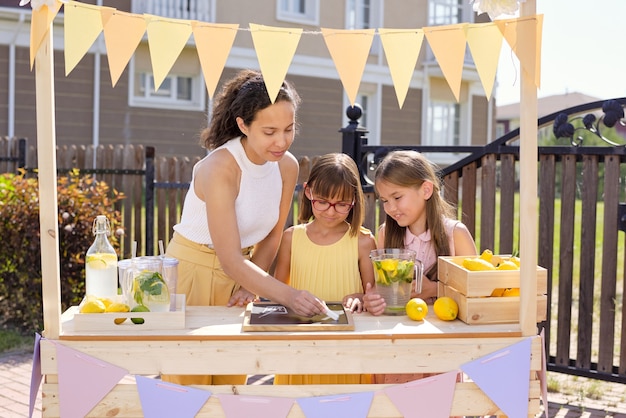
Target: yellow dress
330,272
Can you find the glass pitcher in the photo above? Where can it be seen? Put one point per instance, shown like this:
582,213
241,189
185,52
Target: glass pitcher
142,283
396,272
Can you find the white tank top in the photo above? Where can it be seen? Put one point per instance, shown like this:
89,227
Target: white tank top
257,205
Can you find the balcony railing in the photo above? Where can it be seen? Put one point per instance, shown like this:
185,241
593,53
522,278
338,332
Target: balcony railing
175,9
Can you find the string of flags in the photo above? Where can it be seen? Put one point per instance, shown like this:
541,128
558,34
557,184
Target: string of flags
349,49
434,394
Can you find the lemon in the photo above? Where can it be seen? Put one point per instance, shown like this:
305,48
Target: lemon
92,306
508,265
446,308
515,260
106,301
139,308
477,264
390,264
100,261
117,307
487,255
511,291
416,309
498,292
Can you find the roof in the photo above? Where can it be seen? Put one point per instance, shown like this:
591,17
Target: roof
546,105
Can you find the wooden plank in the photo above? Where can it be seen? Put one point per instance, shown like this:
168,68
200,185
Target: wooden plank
488,202
547,173
608,295
589,197
451,189
507,204
468,202
566,259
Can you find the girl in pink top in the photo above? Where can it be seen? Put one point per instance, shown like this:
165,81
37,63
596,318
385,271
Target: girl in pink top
418,218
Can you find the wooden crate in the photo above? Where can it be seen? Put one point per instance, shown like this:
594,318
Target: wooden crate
490,310
472,292
482,283
152,320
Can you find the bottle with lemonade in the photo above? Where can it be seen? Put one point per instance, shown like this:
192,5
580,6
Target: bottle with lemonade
101,262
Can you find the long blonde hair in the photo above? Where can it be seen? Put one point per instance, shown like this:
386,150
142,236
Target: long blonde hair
412,169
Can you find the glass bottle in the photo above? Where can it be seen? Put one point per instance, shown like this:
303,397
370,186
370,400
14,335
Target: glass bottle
101,262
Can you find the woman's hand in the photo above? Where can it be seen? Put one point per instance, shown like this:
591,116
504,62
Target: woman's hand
373,302
305,304
354,302
241,298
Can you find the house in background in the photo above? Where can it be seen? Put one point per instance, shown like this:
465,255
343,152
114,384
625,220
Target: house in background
90,111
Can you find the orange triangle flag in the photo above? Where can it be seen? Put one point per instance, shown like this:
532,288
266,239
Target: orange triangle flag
349,50
485,43
166,40
448,45
122,34
402,47
39,27
83,25
213,44
275,48
524,37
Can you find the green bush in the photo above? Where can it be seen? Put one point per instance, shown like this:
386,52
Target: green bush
80,200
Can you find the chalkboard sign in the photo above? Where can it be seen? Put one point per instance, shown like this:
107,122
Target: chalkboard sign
269,316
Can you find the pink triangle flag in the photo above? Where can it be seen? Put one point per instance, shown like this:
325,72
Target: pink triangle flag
348,405
236,406
162,399
76,398
434,393
508,390
35,375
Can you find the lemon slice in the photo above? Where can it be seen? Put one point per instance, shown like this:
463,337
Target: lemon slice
100,261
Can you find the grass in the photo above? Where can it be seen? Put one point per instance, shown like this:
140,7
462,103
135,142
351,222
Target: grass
13,341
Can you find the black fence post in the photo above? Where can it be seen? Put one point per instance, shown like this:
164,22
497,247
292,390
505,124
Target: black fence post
354,137
150,200
21,153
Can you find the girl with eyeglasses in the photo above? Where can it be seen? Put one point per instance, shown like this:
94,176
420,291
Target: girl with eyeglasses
328,252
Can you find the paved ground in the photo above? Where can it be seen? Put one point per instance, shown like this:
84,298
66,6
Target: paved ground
577,397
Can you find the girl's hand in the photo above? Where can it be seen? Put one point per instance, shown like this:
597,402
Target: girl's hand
429,290
354,302
241,298
373,302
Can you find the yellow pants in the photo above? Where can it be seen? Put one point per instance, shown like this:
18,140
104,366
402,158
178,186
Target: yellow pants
203,282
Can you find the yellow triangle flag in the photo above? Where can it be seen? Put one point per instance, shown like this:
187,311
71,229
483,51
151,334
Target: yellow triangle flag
349,50
83,25
122,34
275,48
213,44
524,37
39,26
402,47
448,45
166,40
485,43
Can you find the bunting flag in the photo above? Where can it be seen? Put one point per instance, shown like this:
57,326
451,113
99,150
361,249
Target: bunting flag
524,36
213,44
166,40
402,48
40,23
83,381
274,62
448,45
508,390
236,406
163,399
122,34
82,27
35,375
435,391
349,50
484,40
348,405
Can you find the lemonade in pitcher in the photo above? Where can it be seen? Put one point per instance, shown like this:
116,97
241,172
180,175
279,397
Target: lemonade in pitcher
395,271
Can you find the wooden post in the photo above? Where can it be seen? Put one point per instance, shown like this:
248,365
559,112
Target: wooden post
48,205
528,193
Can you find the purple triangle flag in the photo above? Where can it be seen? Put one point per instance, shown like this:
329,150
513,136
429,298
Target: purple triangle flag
509,390
83,381
35,375
348,405
430,397
236,406
163,399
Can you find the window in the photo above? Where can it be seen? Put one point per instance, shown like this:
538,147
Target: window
359,14
449,12
176,91
298,11
444,124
